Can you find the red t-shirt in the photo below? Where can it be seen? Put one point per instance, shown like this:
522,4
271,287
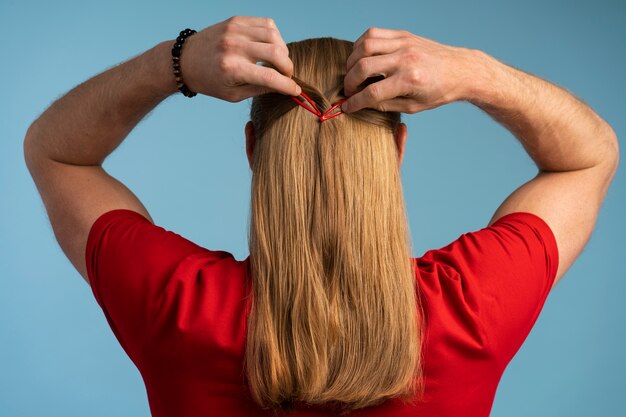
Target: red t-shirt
179,312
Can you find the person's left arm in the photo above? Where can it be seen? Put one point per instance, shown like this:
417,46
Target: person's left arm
65,147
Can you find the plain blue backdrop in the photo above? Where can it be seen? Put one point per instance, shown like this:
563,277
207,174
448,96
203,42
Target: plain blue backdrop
186,161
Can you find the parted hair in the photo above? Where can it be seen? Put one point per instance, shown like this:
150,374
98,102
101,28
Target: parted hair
335,318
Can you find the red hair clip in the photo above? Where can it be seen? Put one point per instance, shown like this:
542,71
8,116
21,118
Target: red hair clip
315,110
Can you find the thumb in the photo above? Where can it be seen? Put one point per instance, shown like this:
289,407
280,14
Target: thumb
401,104
253,90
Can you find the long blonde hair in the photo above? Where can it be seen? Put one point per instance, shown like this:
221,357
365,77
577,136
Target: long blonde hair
335,317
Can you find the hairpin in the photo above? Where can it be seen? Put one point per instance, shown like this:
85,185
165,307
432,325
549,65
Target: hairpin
312,107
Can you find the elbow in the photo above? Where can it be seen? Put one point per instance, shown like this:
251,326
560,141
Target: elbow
30,150
609,160
612,154
26,147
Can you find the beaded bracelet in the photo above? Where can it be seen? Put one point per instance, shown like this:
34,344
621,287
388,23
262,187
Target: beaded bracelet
176,51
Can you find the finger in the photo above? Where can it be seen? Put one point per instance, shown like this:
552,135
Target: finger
374,46
253,21
380,33
372,95
264,34
367,67
272,54
269,79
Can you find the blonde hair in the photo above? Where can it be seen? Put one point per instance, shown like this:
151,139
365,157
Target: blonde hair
335,317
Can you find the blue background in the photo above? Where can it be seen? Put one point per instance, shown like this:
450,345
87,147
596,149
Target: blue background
186,161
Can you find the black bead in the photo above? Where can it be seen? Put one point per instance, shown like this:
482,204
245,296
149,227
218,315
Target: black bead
186,91
176,53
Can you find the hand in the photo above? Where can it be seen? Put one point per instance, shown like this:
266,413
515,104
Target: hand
419,73
220,61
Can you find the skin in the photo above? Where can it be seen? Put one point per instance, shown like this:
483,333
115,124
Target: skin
576,152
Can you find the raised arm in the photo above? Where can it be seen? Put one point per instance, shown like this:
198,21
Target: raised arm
65,147
576,152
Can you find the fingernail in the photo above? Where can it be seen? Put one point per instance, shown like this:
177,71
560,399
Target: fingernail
298,90
345,107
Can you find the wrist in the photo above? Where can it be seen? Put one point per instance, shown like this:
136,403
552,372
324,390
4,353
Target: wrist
159,62
483,75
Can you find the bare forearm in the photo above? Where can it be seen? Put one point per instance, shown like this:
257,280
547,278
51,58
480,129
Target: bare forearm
85,125
558,131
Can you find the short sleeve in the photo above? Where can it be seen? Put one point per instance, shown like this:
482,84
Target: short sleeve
129,262
506,272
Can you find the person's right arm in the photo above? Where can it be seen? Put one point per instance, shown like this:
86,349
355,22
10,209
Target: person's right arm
576,152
